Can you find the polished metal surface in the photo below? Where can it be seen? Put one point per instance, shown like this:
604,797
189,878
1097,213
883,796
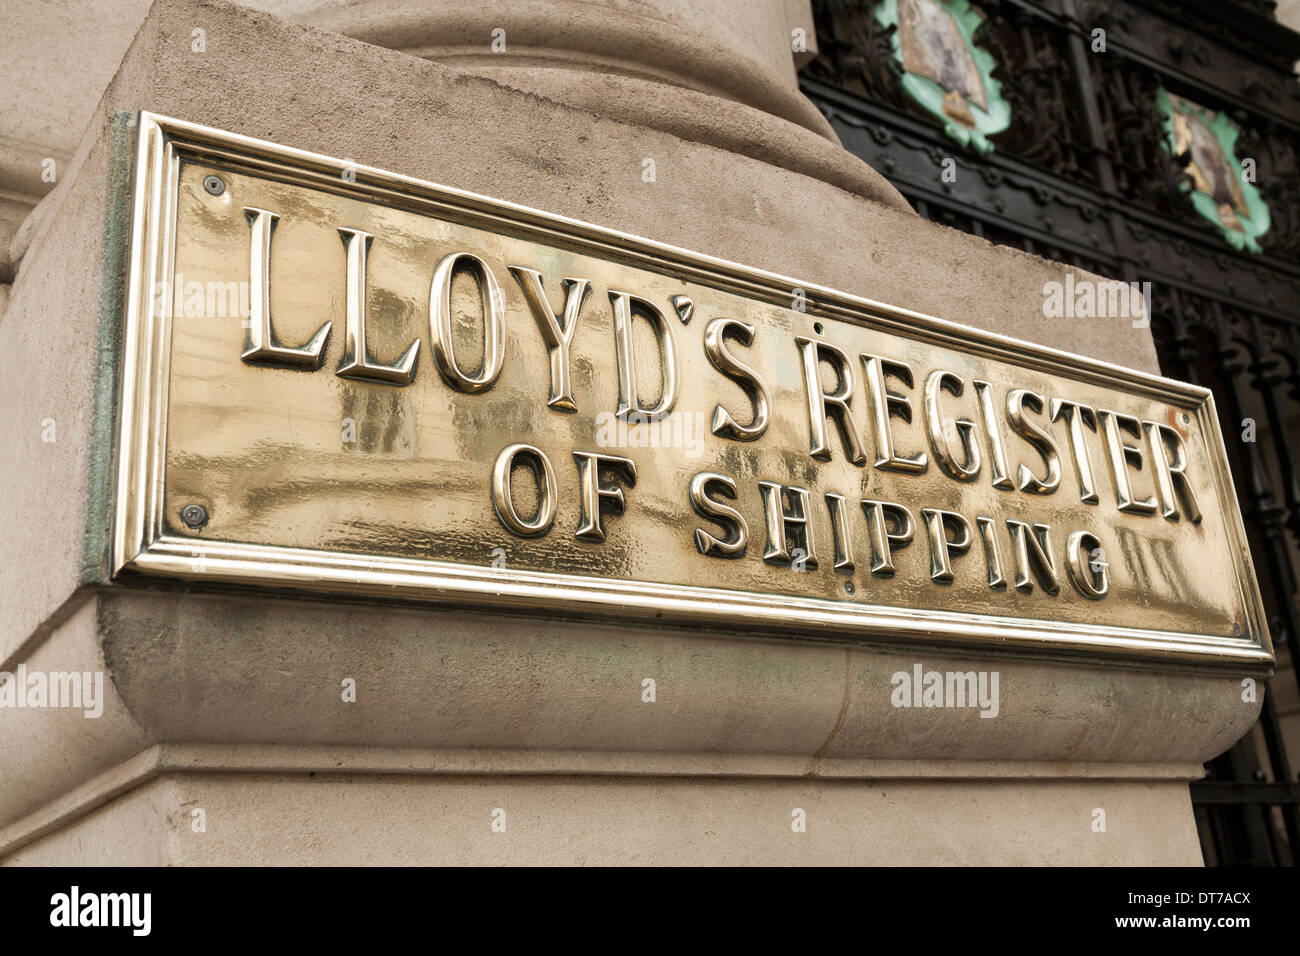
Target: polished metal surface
435,395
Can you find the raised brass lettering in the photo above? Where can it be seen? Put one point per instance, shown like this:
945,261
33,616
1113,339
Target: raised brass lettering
494,324
788,522
715,347
992,552
1172,483
834,403
1119,455
942,547
936,427
990,419
358,475
592,495
1089,572
261,346
1019,399
1033,556
629,401
357,362
840,532
884,541
705,506
503,500
557,329
886,405
1076,417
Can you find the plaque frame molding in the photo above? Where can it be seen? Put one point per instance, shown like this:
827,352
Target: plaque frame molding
140,546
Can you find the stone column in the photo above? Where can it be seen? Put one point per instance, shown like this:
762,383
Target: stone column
229,703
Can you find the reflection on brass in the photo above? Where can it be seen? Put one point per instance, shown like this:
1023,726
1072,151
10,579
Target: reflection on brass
522,412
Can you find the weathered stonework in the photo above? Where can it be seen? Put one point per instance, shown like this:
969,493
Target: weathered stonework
231,703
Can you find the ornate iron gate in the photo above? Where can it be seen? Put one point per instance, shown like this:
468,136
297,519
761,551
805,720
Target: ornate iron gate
1089,173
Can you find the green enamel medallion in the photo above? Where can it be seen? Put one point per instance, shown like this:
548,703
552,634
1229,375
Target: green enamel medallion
943,71
1220,189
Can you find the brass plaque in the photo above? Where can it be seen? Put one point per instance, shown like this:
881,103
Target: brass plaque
345,380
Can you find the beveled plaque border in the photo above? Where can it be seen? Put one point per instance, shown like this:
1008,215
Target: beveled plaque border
140,545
